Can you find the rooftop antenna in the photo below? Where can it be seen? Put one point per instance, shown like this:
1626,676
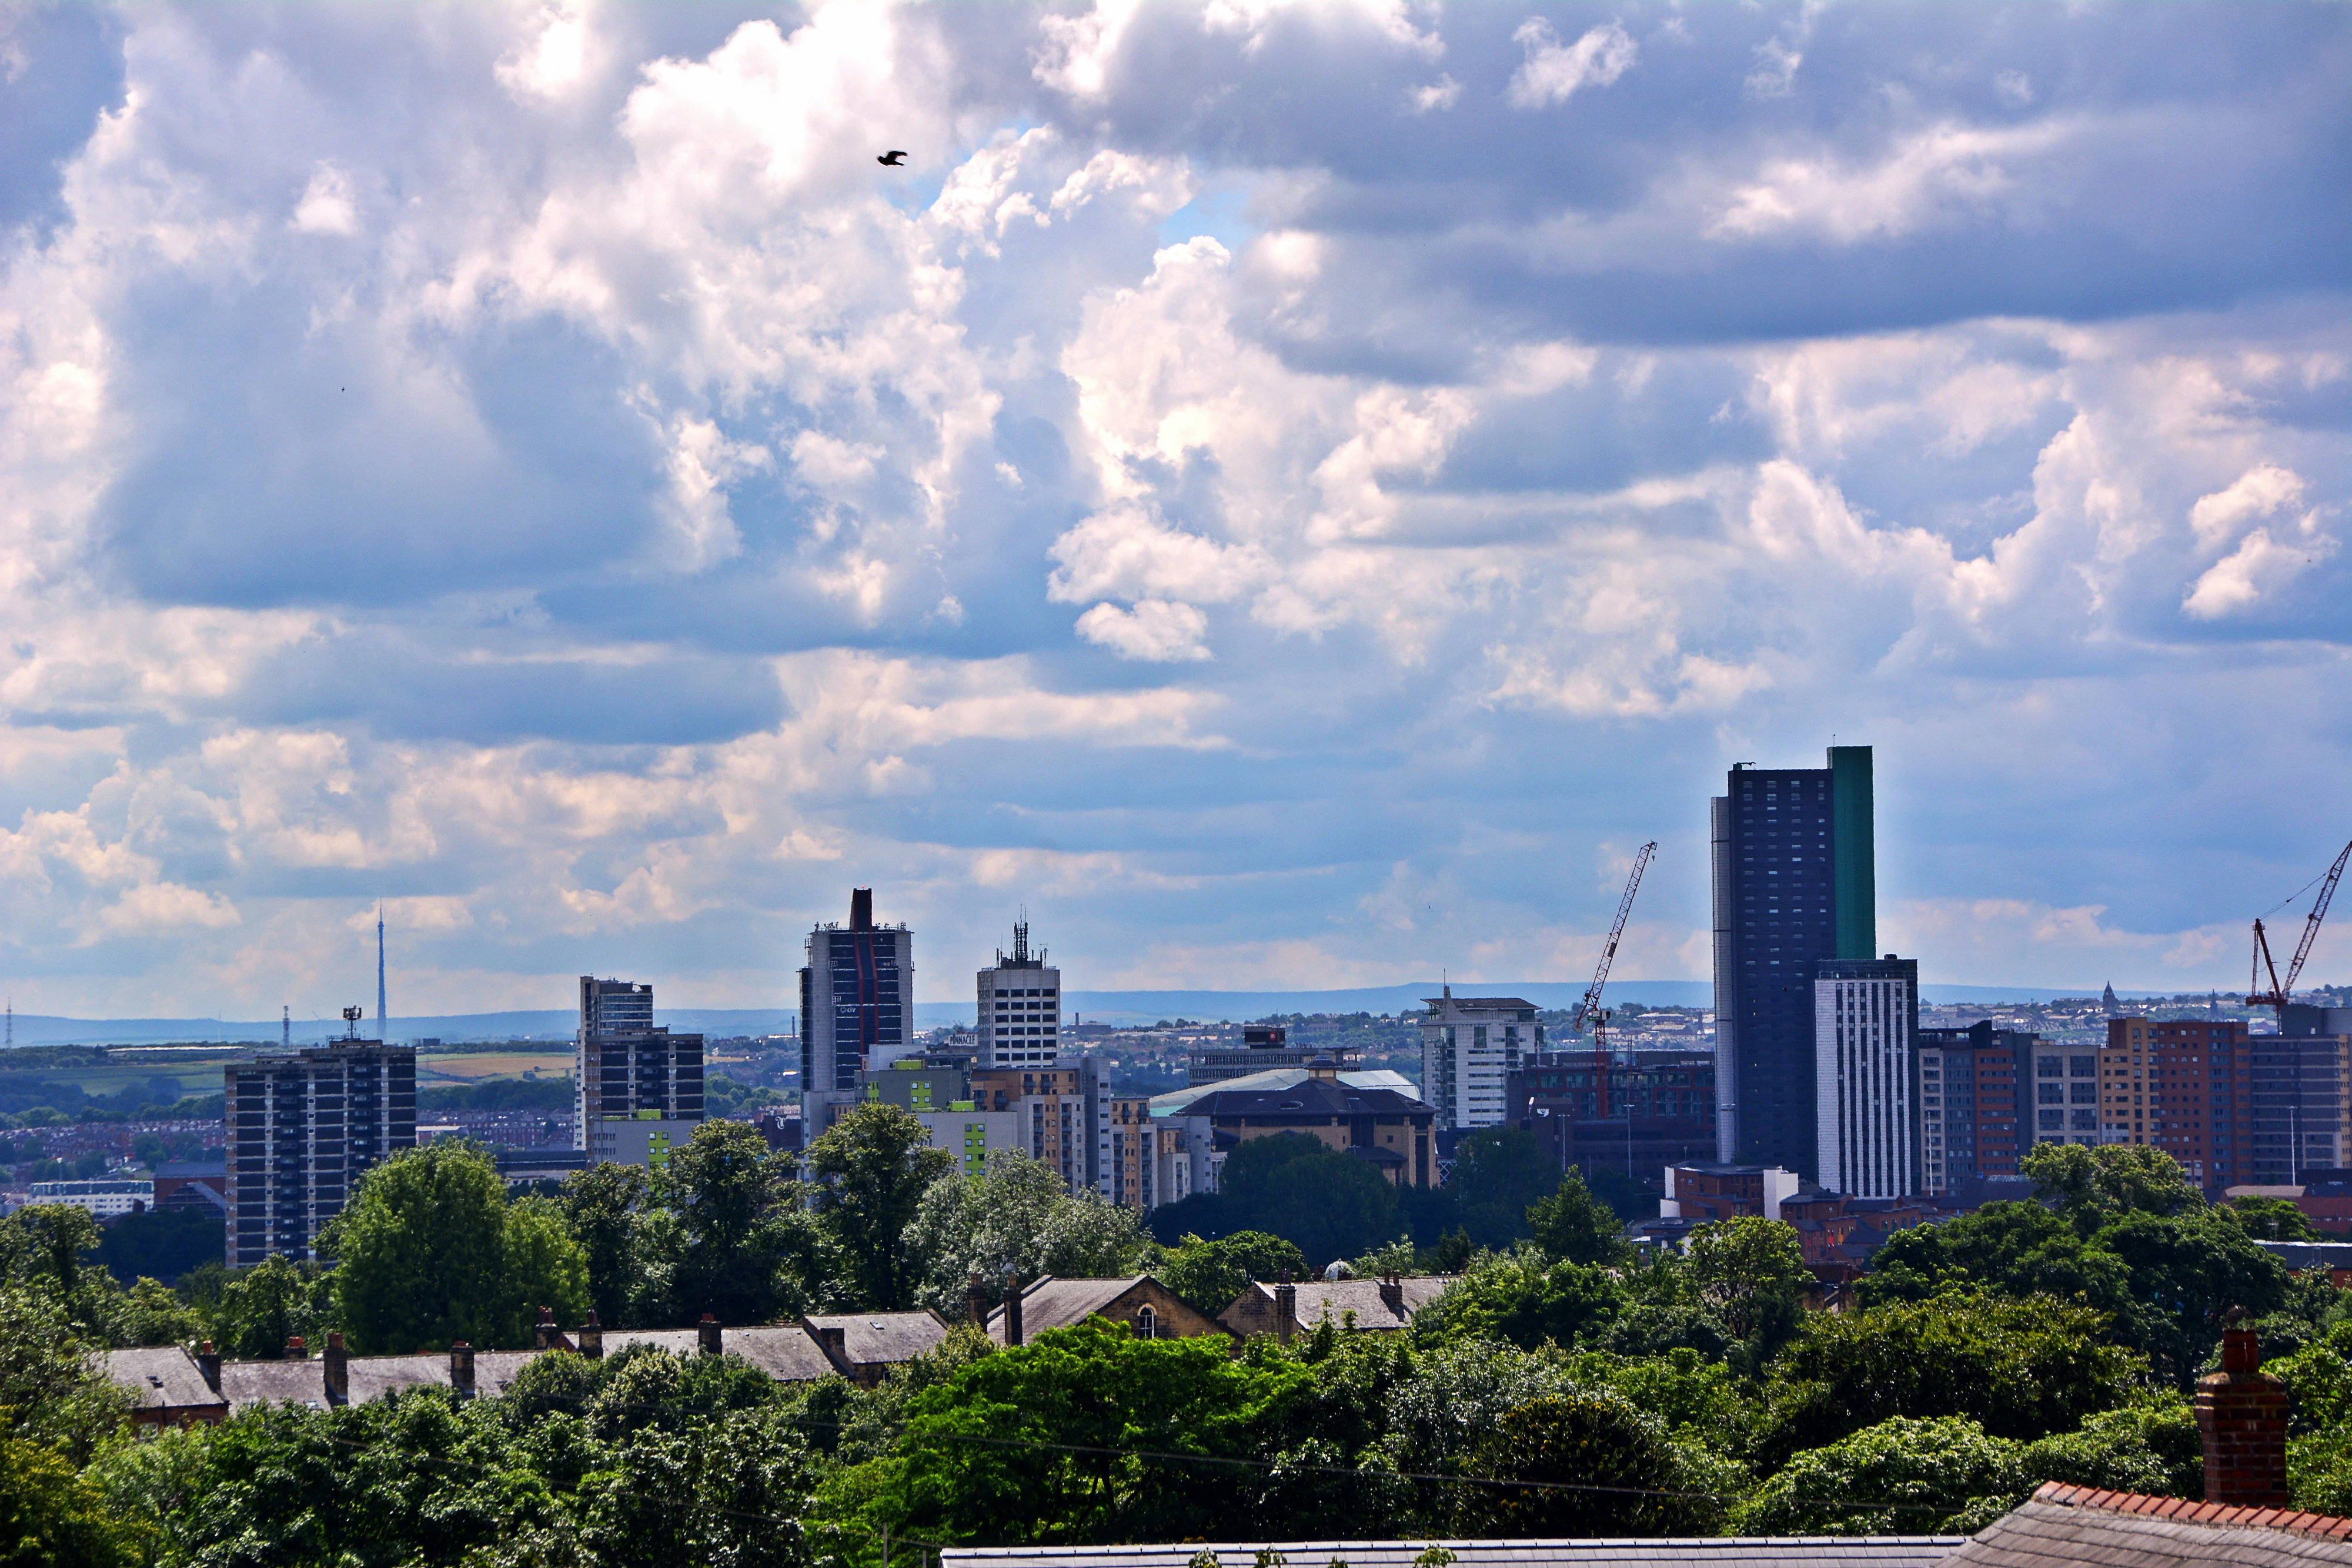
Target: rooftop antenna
381,1028
352,1016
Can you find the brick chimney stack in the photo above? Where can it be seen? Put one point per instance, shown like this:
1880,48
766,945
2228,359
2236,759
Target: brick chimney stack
707,1333
294,1350
461,1369
543,1335
975,1304
1286,1307
208,1363
1393,1293
592,1336
1012,1309
338,1363
2241,1418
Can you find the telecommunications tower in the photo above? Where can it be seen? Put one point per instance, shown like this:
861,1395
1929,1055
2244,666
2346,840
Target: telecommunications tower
381,1028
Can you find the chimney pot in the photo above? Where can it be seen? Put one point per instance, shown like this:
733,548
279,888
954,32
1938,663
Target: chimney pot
708,1333
1285,1308
592,1336
461,1369
208,1363
1012,1309
2242,1415
294,1350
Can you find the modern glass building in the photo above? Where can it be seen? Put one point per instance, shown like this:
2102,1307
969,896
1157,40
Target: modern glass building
1795,883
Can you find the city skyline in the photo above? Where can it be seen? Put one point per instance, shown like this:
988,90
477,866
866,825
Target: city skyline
533,468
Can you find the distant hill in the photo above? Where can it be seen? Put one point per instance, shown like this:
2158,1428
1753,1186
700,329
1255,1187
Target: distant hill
1098,1007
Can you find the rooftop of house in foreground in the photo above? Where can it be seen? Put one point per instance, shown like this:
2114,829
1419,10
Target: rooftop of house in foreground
1703,1551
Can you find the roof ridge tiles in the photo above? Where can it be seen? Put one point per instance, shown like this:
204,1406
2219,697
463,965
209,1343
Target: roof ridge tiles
2186,1510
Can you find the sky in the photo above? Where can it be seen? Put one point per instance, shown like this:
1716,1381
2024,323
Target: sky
1289,495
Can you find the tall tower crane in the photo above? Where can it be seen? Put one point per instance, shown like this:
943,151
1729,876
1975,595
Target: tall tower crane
1590,1008
2277,995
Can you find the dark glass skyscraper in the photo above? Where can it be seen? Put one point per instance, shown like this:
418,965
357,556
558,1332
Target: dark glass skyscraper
1795,883
858,999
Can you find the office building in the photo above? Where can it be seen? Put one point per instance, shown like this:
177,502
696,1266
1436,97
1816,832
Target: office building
302,1127
100,1197
2235,1109
637,1088
1866,1029
1469,1047
2061,1105
1388,1129
1264,1048
858,999
1968,1081
1795,883
1020,1007
1658,1109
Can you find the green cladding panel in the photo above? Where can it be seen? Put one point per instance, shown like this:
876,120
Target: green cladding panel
1854,856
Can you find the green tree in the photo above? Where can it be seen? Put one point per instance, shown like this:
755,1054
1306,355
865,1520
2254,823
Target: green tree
1019,1218
2094,1186
1751,1270
47,1244
262,1309
2186,1271
2021,1369
2273,1219
1521,1298
2018,1249
53,1517
872,1167
431,1252
602,1205
1054,1442
750,1245
1498,1174
1585,1465
1907,1476
1211,1275
52,1394
1329,1203
1575,1227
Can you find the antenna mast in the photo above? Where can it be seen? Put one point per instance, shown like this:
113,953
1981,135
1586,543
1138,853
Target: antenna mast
381,1028
1589,1007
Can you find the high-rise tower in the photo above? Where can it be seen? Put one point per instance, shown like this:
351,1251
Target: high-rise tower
1020,1007
858,999
637,1088
1795,883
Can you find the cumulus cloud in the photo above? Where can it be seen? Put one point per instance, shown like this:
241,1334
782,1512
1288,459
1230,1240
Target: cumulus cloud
1554,72
532,466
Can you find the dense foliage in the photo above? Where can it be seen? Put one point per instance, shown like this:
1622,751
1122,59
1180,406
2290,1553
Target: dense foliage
1561,1385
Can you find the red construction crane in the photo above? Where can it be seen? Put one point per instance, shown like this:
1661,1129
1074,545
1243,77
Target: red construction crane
2277,995
1589,1007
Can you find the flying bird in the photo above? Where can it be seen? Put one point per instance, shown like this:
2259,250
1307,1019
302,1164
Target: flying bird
893,158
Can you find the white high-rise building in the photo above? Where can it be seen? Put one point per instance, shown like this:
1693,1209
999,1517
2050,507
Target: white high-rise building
1867,1075
1020,1007
1467,1044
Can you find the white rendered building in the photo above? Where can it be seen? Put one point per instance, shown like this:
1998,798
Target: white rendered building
1866,1075
1467,1044
1020,1003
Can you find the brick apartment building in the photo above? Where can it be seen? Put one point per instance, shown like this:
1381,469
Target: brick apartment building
1660,1110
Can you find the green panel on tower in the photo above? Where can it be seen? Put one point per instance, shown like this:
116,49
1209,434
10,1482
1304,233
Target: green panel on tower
1854,852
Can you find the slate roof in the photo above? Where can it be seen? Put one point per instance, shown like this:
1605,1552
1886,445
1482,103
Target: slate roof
1053,1303
245,1384
1707,1551
2301,1255
1361,1297
1312,1097
2069,1524
1179,1101
164,1378
784,1353
885,1337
